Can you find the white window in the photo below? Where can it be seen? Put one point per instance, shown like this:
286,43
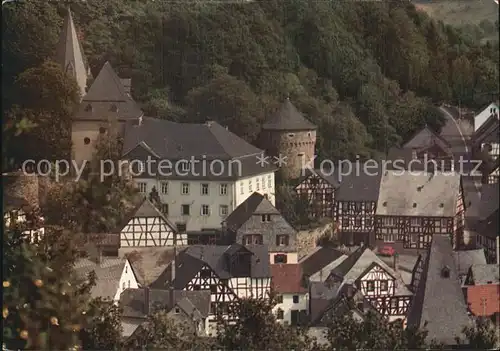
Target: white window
204,189
128,284
123,286
223,210
185,188
205,210
263,183
257,185
242,188
142,187
164,188
269,182
223,189
250,185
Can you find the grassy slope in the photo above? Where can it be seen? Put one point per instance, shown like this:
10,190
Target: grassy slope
460,12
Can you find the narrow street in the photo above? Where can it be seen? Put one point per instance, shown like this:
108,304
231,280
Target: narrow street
457,133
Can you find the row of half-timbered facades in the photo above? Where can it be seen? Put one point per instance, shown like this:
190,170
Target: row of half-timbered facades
399,208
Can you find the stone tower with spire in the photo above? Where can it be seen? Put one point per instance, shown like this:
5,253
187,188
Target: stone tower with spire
69,53
288,135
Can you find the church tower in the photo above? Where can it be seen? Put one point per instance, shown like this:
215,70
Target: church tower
103,111
69,53
290,136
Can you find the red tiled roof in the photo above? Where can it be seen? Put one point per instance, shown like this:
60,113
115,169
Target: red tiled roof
484,300
287,278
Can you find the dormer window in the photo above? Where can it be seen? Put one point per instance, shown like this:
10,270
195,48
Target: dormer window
177,310
266,218
282,240
445,272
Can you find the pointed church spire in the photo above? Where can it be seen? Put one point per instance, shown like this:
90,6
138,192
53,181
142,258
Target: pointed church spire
69,53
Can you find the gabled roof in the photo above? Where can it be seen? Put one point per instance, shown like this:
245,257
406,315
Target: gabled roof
108,99
332,177
108,273
287,278
361,183
69,53
418,194
323,273
439,300
489,227
190,261
489,202
319,259
133,301
484,273
488,127
146,209
425,138
288,118
255,204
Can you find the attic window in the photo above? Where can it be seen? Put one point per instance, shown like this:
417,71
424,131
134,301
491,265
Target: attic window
291,135
177,310
86,141
114,108
419,188
441,205
414,204
445,272
266,218
88,108
384,204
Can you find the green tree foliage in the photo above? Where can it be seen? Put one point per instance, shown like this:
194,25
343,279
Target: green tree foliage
483,335
258,329
44,307
373,333
104,330
100,203
160,331
39,123
293,207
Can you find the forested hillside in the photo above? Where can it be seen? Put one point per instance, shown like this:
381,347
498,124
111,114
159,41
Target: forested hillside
367,73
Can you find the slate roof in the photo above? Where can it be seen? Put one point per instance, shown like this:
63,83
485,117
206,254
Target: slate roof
464,259
425,138
108,274
332,177
287,278
489,200
319,259
418,194
190,261
361,184
69,53
323,273
133,301
255,204
489,227
288,118
204,143
488,127
439,300
359,262
146,209
106,93
485,274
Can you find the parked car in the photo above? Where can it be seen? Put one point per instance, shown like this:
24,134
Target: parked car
387,251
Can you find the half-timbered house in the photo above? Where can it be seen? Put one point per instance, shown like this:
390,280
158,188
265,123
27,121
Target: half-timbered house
189,308
412,207
228,272
379,284
355,204
488,237
17,211
147,227
438,304
318,187
257,222
487,137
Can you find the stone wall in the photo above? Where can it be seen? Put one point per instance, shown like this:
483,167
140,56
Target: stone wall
307,239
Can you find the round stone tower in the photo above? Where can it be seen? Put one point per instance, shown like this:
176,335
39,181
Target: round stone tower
288,136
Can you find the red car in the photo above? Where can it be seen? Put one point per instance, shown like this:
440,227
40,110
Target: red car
387,251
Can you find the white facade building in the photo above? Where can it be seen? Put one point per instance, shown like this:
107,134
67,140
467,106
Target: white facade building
484,115
292,297
201,172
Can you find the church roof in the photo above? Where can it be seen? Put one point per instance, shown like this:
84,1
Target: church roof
107,97
288,118
69,53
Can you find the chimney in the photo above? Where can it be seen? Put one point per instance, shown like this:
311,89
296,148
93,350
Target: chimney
146,300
